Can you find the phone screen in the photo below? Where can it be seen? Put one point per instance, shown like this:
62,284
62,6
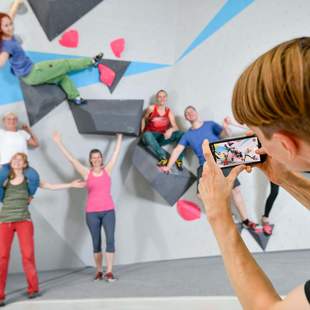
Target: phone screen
236,151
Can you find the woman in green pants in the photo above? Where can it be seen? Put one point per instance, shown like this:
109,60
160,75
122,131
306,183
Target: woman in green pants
47,72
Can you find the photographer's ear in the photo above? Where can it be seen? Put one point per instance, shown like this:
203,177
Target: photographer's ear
287,142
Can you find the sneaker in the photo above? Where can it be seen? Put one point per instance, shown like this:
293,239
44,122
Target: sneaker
99,276
109,277
249,224
162,162
97,59
33,295
267,228
2,303
179,164
78,101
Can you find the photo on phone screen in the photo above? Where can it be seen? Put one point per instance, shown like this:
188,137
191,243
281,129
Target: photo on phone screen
236,151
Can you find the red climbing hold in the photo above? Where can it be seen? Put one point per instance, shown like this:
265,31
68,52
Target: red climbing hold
70,39
107,75
118,47
188,210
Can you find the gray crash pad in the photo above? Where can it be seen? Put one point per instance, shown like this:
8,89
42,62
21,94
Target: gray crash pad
119,67
170,186
40,100
260,237
108,116
55,16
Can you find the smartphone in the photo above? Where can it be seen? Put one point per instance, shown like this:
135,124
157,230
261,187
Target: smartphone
236,151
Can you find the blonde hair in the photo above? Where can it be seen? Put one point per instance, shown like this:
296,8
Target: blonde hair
161,91
7,114
273,93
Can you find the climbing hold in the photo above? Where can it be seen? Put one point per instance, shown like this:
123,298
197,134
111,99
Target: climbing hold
107,75
188,210
70,39
118,47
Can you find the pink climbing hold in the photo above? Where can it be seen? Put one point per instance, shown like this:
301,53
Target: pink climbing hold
188,210
118,47
107,75
70,39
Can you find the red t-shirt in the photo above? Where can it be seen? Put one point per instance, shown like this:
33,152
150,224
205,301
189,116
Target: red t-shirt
157,122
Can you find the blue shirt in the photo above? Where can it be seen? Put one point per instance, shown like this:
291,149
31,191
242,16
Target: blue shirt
194,137
20,63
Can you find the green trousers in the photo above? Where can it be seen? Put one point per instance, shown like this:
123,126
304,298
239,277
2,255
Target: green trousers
55,72
155,141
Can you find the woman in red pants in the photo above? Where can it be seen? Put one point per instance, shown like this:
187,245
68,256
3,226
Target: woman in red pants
15,217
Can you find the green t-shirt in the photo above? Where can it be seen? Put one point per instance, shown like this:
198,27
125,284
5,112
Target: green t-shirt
15,203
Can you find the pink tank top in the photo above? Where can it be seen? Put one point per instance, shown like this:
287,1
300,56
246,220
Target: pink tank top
99,192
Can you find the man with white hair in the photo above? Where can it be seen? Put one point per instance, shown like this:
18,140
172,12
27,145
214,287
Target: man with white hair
12,141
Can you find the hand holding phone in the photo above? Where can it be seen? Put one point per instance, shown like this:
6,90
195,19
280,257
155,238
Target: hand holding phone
237,151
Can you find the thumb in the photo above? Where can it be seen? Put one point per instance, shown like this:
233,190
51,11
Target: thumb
249,133
261,151
234,173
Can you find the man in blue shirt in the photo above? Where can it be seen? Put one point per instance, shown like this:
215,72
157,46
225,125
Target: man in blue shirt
194,138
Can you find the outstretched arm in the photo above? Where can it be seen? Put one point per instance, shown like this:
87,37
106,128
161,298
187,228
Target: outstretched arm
115,154
14,8
251,285
173,157
82,170
73,184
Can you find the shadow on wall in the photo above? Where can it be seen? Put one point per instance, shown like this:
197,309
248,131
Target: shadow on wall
140,186
144,218
74,218
63,255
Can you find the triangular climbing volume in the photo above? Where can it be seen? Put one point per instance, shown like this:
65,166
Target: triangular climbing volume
119,67
40,100
260,237
170,186
55,16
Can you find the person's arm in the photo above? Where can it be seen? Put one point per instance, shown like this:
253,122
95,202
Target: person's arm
298,186
82,170
146,115
219,130
73,184
224,133
226,123
173,126
4,56
115,154
294,183
33,140
14,8
173,157
251,285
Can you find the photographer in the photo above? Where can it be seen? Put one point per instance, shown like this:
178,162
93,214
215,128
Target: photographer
272,97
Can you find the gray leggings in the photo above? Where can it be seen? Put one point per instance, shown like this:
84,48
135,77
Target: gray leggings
95,220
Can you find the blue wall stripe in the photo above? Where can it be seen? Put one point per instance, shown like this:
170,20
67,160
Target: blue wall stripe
141,67
9,84
230,9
